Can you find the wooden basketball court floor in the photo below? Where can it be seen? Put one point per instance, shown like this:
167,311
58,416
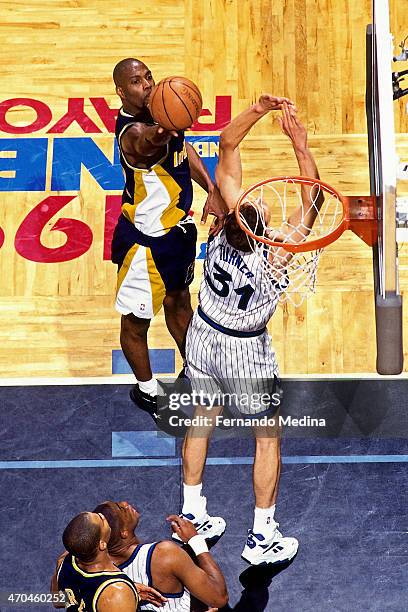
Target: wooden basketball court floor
57,319
66,446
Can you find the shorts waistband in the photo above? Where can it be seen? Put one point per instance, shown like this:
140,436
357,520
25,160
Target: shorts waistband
226,330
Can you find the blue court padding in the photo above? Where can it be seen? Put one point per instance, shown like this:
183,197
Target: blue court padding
162,361
169,461
71,447
142,444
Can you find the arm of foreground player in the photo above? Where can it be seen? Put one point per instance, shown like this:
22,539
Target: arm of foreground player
118,597
229,169
54,581
204,581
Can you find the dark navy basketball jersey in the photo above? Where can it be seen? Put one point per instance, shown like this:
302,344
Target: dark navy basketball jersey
83,589
155,199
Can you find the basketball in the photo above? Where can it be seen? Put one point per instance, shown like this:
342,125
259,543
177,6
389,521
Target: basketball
175,103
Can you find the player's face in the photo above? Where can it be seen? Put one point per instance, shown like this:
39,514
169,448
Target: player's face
129,515
137,85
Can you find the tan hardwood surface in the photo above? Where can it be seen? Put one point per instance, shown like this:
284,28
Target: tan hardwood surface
58,319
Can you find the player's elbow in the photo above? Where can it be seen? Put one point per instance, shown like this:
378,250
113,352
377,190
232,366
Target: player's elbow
219,600
227,140
219,596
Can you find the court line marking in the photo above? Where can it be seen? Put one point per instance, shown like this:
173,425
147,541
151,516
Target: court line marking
129,379
166,462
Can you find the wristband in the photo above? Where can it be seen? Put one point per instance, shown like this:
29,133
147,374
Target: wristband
198,545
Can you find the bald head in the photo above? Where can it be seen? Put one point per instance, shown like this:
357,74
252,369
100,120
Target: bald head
123,69
81,536
134,83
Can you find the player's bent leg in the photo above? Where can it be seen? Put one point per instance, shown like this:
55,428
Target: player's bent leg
194,452
265,543
178,313
133,340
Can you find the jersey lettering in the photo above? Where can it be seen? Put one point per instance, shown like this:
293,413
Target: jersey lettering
224,278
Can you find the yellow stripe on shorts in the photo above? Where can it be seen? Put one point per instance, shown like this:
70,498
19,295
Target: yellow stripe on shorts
126,265
156,283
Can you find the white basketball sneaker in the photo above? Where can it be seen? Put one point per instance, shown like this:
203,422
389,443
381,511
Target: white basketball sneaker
207,526
277,549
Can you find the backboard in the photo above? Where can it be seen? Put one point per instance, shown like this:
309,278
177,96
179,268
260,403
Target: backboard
383,182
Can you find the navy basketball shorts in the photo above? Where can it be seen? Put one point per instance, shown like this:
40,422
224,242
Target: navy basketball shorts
149,268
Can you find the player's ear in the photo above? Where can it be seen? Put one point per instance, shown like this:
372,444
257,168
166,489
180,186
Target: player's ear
119,91
124,534
103,545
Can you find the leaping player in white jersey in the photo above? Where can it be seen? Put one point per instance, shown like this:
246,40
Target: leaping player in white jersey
227,339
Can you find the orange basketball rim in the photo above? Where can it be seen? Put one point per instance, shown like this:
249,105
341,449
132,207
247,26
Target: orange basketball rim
358,214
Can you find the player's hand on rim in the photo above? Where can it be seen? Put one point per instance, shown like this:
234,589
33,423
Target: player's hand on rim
292,127
268,102
182,527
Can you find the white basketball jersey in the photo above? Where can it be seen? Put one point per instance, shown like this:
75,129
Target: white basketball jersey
137,567
235,291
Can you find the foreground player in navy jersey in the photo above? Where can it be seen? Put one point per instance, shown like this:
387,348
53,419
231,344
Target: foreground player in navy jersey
228,347
87,574
154,243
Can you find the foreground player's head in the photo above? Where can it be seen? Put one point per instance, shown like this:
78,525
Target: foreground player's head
256,217
86,536
123,518
134,83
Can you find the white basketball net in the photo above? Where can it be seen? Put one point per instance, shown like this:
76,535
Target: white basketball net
298,213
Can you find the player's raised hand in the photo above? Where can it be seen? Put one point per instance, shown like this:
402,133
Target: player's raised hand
216,206
293,128
182,527
268,102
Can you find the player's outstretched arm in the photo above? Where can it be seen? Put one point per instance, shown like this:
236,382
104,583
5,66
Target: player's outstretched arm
142,140
229,170
205,580
118,597
312,197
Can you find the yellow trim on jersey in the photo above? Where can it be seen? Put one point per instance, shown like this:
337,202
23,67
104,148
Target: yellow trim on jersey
171,215
92,574
126,265
128,209
103,586
156,283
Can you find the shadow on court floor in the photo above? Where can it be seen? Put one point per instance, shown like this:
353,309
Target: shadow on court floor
350,517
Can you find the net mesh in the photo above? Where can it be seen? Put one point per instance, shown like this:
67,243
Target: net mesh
284,212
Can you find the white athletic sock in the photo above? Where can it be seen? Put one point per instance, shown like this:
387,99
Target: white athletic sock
264,521
193,501
148,386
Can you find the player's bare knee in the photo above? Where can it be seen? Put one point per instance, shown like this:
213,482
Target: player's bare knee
177,301
133,327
